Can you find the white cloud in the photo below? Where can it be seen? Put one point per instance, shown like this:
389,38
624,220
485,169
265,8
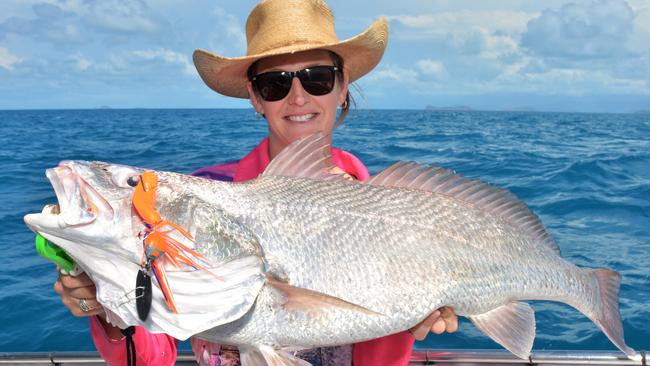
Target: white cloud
49,23
528,75
8,59
12,8
459,47
167,56
432,69
639,40
465,38
570,82
81,62
72,21
129,16
226,34
586,48
499,47
394,73
73,6
589,29
440,25
113,64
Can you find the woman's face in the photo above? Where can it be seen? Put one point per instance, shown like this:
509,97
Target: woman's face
299,114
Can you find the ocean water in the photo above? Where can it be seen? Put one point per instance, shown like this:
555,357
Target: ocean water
586,175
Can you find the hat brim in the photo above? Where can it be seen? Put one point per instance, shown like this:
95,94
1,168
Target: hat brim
360,54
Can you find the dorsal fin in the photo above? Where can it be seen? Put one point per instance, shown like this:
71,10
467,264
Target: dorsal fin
494,200
309,157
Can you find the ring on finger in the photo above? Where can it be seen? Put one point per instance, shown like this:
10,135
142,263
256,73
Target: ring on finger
83,305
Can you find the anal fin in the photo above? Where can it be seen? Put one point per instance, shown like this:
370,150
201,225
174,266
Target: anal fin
511,325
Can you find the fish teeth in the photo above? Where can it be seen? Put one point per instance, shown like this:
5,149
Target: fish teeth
302,118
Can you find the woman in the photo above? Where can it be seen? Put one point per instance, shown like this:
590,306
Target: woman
296,74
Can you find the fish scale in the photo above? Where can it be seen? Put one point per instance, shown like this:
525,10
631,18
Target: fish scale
348,257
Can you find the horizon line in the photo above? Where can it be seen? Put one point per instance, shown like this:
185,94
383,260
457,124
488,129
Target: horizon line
450,109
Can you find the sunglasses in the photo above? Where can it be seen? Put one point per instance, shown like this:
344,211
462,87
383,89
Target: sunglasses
275,85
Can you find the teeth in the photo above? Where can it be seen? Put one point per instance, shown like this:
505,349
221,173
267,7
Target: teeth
303,118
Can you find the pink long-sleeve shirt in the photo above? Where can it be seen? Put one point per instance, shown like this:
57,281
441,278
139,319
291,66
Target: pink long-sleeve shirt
160,349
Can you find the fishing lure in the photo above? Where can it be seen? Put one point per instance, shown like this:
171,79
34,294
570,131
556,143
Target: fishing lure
159,246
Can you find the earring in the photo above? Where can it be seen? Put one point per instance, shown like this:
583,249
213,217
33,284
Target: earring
344,105
258,115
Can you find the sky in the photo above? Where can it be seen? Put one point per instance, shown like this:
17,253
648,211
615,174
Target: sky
553,55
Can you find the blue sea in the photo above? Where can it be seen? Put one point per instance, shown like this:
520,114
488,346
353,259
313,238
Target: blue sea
586,175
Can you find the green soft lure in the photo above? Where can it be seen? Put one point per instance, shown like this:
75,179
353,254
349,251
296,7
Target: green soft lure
55,254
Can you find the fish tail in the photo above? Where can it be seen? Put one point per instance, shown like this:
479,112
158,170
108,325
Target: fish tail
605,312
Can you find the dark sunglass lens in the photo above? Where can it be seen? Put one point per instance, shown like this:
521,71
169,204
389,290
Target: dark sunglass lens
273,86
318,80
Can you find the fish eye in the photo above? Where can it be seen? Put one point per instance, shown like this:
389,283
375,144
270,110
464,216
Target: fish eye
133,180
124,176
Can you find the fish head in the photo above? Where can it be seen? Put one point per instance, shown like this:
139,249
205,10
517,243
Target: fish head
94,217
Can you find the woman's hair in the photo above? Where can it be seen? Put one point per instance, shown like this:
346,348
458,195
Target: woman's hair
338,62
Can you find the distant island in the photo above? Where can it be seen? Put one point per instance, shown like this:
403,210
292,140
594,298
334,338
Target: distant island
464,108
456,108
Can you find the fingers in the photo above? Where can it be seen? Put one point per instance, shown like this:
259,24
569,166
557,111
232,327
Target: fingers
73,289
82,280
81,287
439,326
450,318
447,322
440,321
58,287
339,171
421,330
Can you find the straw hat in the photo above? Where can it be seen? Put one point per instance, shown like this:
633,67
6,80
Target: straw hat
276,27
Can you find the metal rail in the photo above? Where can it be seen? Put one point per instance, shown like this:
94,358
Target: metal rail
451,357
502,357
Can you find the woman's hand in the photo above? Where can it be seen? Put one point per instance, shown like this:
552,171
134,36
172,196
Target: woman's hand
78,294
74,289
440,321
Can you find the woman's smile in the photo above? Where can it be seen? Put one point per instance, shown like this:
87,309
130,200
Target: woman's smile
301,118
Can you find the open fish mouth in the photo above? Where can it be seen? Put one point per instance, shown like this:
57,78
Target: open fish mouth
78,202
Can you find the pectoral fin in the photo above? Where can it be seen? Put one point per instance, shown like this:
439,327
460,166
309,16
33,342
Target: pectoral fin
511,325
301,299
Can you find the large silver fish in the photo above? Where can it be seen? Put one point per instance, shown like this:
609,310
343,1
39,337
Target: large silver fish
302,258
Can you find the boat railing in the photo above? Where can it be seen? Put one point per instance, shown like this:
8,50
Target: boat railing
440,357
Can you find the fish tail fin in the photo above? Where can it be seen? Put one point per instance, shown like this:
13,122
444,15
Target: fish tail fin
605,312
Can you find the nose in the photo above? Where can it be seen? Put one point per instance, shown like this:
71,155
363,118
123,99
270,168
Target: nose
297,95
